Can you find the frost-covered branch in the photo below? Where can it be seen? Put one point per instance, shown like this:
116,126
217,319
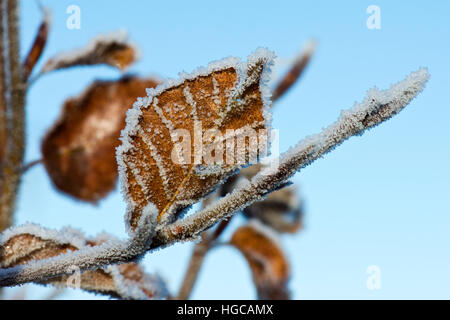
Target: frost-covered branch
377,107
12,115
87,258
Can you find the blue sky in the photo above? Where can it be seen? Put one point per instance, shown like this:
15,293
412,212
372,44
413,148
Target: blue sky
380,199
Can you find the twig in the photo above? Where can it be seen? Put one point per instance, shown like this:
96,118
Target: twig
208,242
295,71
197,258
30,165
376,108
12,114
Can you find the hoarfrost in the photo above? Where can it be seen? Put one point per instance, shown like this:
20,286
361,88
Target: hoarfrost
262,58
89,52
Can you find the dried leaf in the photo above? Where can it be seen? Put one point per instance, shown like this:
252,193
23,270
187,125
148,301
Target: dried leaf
269,266
38,45
294,72
30,243
124,281
79,151
228,95
113,49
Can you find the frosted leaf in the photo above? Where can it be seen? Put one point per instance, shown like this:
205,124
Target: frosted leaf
24,245
270,268
79,150
228,94
132,283
113,49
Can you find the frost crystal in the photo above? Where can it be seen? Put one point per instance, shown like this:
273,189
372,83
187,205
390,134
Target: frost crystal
113,48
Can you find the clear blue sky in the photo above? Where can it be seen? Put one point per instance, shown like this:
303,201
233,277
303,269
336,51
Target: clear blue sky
380,199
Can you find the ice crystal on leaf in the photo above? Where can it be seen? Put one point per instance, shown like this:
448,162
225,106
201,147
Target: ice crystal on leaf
228,94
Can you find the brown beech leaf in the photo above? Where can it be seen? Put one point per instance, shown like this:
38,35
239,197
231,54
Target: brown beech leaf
113,49
228,98
31,243
79,150
269,266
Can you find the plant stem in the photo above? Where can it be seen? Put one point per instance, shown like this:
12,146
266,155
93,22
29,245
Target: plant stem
29,165
378,107
197,258
12,113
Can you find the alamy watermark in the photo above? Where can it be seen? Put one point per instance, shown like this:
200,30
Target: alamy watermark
73,21
374,20
74,280
373,281
211,147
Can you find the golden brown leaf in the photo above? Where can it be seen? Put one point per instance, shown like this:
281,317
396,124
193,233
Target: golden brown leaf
113,49
79,151
126,281
226,96
269,266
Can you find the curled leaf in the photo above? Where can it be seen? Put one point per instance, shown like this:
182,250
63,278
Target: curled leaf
268,264
79,150
31,243
229,99
113,49
38,45
295,71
